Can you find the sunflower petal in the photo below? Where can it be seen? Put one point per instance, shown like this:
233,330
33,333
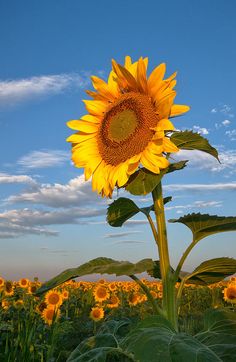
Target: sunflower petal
169,146
126,78
178,109
95,107
142,76
155,78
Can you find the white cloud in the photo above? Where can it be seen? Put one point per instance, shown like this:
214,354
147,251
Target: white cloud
230,186
14,91
77,192
226,109
120,235
200,130
7,179
43,159
231,134
11,230
226,122
204,161
196,205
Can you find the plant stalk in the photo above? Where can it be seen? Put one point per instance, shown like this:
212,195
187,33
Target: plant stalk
168,282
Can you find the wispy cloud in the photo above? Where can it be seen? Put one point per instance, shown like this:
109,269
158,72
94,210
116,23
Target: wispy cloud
201,130
196,205
120,235
77,192
14,91
230,186
18,222
43,159
202,160
224,109
231,134
7,179
129,242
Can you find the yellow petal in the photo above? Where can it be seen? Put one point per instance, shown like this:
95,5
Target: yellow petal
155,146
156,76
169,146
83,126
99,178
80,137
128,62
103,88
164,106
164,125
178,109
141,76
90,118
95,107
147,163
124,76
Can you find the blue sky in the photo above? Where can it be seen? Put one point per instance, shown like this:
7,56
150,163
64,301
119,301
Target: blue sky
49,218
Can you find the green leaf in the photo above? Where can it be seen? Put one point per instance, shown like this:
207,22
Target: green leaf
188,140
102,354
154,340
143,181
203,225
219,333
120,211
98,266
212,271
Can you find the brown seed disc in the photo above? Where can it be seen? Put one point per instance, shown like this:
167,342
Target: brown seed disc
125,130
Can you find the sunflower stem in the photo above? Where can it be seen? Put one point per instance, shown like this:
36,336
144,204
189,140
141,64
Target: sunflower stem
168,282
146,290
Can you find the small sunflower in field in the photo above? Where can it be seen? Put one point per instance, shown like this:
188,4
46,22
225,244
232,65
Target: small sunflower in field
32,288
65,294
24,283
126,126
154,294
2,282
53,298
113,301
9,289
50,314
230,293
133,299
97,313
101,293
112,286
5,304
19,304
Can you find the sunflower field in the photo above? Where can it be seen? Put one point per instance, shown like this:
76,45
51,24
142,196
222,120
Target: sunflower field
70,320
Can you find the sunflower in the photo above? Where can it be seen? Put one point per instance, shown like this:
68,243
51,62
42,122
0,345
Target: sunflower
101,293
9,289
113,301
134,299
126,125
96,314
24,283
50,314
2,281
53,298
230,293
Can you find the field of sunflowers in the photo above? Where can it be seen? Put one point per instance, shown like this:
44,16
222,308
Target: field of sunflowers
50,327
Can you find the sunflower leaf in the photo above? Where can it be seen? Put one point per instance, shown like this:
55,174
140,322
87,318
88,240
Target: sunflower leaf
212,271
203,225
154,339
120,211
219,333
189,140
143,181
99,265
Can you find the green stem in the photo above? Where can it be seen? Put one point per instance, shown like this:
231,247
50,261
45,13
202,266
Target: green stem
146,290
169,301
183,258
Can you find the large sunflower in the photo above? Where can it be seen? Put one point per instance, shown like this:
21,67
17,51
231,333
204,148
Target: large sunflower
126,125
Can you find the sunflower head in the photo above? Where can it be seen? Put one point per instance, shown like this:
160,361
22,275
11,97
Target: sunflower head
126,126
230,293
97,313
50,314
53,298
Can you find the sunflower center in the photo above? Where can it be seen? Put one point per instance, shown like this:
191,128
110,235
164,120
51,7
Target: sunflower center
122,125
126,128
